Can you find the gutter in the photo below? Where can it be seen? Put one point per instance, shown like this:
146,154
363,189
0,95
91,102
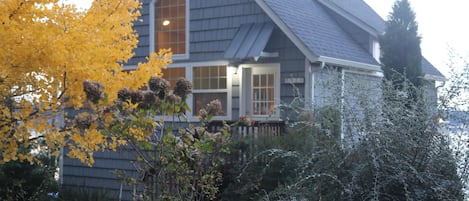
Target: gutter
434,78
352,64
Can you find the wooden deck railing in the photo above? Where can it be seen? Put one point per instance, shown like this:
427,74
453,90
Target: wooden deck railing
244,134
264,128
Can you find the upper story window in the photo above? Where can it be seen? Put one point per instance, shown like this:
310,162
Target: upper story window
171,30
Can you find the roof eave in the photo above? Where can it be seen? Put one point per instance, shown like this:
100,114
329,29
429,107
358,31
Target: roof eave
311,56
435,78
352,64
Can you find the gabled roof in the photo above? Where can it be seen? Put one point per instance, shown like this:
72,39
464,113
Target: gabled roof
359,13
319,36
316,33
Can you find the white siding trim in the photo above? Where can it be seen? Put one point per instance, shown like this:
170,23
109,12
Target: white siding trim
351,64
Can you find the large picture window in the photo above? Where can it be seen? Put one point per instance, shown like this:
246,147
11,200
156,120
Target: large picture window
170,25
210,83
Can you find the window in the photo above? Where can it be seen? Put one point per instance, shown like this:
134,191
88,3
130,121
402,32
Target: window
171,26
263,94
173,74
209,83
260,91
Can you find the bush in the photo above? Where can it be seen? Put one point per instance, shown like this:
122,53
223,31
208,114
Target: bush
83,194
25,181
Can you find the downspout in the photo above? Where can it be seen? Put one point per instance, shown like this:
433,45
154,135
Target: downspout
310,78
342,107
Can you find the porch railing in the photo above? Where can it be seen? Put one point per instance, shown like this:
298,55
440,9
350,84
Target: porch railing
258,128
245,133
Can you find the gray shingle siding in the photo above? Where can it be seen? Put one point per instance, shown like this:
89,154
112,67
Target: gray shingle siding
100,176
292,64
213,24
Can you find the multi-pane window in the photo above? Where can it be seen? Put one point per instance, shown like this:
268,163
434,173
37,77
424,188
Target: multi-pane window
263,94
170,25
209,77
209,83
173,74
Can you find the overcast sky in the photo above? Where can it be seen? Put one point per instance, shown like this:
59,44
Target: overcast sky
442,24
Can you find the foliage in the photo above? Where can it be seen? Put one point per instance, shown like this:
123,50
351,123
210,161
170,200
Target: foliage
454,115
400,46
398,155
49,50
83,194
174,163
276,162
24,181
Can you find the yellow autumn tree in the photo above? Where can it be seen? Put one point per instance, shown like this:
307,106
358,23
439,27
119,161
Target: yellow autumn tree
48,51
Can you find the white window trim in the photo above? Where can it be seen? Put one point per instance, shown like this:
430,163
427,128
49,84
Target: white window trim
152,31
246,88
228,90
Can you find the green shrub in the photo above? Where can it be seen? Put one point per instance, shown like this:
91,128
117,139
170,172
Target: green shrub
83,194
24,181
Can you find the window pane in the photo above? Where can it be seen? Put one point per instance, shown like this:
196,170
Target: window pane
202,99
222,71
173,74
263,94
205,84
255,81
205,72
222,83
263,80
270,81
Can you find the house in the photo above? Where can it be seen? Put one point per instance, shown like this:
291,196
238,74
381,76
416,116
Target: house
252,55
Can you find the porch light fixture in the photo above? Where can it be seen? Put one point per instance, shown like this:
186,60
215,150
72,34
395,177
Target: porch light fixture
235,66
166,22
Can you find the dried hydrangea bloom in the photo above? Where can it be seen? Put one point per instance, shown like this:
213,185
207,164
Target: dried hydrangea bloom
173,98
83,120
157,84
149,99
137,97
183,88
124,94
93,90
214,107
245,120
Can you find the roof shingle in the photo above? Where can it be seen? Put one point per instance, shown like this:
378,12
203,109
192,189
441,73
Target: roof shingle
308,20
364,13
